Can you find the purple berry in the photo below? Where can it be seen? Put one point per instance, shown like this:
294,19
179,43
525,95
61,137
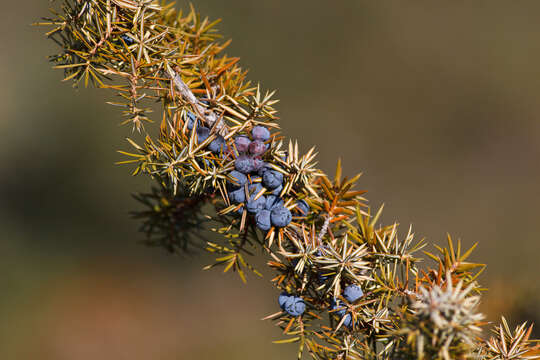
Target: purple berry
280,216
257,147
352,293
238,179
244,164
272,179
237,196
295,306
262,219
260,133
303,207
242,143
217,145
258,164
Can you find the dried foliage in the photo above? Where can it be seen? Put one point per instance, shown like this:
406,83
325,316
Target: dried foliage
351,288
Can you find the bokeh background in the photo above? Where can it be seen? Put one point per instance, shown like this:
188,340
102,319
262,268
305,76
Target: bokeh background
435,102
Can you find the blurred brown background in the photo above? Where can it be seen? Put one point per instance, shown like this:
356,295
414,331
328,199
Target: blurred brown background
436,102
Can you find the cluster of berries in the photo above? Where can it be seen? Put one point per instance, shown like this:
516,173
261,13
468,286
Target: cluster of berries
351,293
257,186
253,183
293,305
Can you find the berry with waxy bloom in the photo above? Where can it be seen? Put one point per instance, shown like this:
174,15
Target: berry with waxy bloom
191,120
255,188
277,190
282,299
242,143
272,201
257,147
352,293
244,164
258,164
302,207
255,205
336,304
262,220
202,134
238,179
237,196
347,321
260,133
217,145
272,179
280,216
295,306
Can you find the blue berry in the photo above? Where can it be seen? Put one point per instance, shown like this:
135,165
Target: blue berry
262,219
347,320
282,299
352,293
127,39
260,133
191,120
202,134
242,143
272,179
277,190
295,306
280,216
238,179
217,145
255,188
336,304
272,201
303,207
262,169
255,205
237,196
244,164
257,147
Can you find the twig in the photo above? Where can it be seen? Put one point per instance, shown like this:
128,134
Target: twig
208,116
324,230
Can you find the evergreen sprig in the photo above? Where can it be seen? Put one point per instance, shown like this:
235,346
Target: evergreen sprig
350,288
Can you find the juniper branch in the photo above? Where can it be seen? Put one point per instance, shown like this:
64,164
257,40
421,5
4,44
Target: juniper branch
351,288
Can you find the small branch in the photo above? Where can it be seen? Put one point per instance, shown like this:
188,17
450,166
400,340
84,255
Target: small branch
208,116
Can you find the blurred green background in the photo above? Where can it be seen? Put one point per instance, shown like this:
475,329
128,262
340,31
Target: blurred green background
435,102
